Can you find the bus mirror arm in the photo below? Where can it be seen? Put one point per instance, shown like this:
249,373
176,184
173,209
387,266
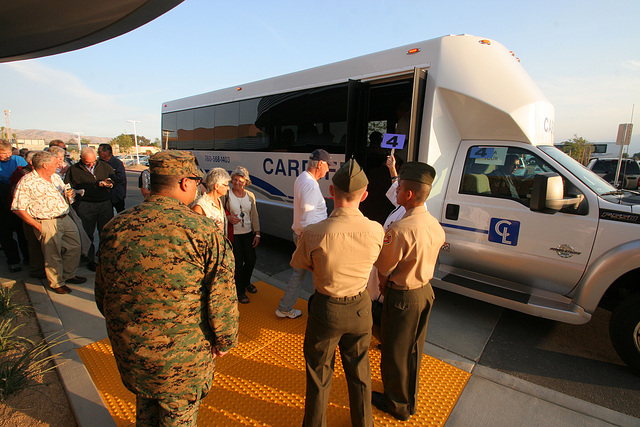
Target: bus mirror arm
558,204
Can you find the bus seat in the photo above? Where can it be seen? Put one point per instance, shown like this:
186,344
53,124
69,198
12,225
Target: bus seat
475,184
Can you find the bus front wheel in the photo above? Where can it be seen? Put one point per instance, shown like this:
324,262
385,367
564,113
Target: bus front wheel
624,329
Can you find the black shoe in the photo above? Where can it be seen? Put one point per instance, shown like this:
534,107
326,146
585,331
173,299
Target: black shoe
64,289
243,299
252,289
378,400
91,266
76,280
14,268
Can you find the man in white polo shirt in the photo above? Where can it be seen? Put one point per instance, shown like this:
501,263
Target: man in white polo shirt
309,207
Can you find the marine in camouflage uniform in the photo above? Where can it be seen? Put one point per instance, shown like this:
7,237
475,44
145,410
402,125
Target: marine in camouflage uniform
165,285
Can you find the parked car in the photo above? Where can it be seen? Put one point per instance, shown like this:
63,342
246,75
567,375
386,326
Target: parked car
606,169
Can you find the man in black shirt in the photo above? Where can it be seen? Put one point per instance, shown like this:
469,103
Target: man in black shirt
94,207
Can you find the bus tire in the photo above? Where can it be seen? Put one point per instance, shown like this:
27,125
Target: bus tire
624,329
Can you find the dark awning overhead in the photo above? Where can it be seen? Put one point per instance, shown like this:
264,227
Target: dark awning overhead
35,28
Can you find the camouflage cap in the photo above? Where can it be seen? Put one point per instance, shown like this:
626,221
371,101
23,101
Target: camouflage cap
174,163
350,177
417,171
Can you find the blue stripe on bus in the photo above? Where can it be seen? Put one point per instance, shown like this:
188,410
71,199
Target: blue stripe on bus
266,187
459,227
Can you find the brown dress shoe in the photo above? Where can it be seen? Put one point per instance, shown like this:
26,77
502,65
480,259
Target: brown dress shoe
76,280
64,289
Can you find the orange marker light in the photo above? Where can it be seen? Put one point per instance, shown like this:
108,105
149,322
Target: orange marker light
485,41
238,88
412,51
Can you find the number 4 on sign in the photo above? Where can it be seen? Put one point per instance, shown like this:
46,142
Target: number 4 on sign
393,141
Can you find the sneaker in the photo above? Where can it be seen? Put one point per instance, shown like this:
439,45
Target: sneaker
14,268
290,314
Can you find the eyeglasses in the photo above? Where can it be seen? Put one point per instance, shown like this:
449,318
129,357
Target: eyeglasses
194,178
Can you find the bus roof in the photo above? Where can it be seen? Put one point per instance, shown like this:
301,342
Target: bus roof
481,82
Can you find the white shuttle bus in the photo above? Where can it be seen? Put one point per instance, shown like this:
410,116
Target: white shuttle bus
527,227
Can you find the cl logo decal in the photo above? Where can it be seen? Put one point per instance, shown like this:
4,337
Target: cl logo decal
504,231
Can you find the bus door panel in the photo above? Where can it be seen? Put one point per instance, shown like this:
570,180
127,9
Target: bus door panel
357,120
417,107
493,233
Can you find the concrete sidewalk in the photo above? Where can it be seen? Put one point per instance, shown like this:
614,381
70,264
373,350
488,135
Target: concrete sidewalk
490,398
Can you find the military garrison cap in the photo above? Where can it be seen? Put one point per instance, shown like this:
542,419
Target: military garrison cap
174,163
350,177
417,171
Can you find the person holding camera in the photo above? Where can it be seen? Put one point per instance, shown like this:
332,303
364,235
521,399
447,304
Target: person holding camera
93,179
243,214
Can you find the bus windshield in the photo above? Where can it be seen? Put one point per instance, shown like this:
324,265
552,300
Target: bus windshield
588,178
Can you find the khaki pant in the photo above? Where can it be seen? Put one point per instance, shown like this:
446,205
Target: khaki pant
344,323
405,315
60,242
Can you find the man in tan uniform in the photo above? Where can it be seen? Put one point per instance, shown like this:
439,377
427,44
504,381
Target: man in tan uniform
405,266
340,252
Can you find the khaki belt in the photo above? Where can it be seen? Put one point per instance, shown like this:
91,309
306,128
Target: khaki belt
393,285
58,217
342,299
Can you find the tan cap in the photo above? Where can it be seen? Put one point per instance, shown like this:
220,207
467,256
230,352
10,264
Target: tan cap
350,177
174,163
417,171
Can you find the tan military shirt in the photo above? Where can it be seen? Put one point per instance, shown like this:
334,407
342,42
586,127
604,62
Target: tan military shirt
410,250
340,251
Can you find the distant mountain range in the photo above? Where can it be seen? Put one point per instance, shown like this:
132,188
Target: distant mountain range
48,136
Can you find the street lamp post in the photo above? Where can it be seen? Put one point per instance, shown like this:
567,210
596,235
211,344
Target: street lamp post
135,139
80,142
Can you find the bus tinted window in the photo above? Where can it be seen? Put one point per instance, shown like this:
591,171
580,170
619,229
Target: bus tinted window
185,129
203,128
250,136
299,122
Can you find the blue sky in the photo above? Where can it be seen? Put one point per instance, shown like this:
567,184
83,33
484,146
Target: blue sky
584,55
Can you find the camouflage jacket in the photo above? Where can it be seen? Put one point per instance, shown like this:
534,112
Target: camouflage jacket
165,285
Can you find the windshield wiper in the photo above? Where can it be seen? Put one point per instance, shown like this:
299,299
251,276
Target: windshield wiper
613,193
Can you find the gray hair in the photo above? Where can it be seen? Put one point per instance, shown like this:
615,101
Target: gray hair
313,164
87,150
29,157
57,151
42,158
216,176
243,172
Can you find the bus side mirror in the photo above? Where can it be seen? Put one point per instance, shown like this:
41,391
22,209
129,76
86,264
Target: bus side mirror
547,194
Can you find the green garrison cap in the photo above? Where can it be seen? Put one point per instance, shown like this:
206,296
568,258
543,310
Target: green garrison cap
417,171
350,177
171,162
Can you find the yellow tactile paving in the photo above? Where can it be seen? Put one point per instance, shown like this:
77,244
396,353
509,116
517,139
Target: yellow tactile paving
262,382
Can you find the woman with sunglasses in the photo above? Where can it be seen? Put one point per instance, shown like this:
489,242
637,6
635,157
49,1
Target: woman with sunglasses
243,214
209,204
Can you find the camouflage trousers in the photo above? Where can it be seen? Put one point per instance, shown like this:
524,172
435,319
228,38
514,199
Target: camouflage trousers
167,412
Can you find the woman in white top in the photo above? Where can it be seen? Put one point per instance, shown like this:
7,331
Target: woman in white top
243,214
209,204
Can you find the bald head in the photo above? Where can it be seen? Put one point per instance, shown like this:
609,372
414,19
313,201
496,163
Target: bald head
88,157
